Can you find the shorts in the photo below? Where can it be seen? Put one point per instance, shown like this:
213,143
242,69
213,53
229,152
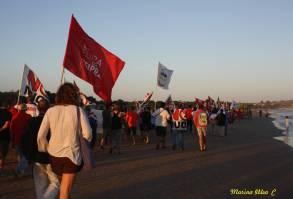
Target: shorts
145,127
106,133
62,165
161,131
4,146
131,131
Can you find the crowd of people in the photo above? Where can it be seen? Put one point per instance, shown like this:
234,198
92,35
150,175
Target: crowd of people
46,136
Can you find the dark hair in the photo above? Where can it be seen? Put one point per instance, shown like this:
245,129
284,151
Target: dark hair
162,105
116,107
43,105
67,94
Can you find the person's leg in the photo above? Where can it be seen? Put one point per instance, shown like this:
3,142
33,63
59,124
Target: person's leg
40,179
53,187
182,140
164,132
174,139
158,133
118,140
112,138
204,136
66,185
200,138
133,129
4,145
22,162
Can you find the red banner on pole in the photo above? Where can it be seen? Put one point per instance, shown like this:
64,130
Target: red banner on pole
91,62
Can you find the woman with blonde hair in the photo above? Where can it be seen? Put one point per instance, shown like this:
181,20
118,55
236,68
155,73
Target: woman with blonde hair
66,122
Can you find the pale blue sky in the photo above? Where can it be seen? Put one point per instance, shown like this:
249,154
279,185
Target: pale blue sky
235,49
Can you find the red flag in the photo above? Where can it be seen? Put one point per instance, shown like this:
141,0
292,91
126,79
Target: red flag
90,61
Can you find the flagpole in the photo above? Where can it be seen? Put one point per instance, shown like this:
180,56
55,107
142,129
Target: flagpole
20,85
62,76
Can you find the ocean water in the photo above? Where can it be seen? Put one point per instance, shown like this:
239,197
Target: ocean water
278,116
279,119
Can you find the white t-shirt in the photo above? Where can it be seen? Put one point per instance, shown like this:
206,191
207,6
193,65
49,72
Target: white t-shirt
99,116
64,141
162,116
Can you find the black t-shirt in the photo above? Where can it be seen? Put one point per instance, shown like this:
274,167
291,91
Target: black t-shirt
146,117
116,122
5,116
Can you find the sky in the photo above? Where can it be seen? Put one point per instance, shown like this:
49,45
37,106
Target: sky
236,49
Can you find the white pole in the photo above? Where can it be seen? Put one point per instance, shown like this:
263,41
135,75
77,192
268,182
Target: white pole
62,76
20,85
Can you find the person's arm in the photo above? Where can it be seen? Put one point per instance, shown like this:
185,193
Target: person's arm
86,129
5,126
42,134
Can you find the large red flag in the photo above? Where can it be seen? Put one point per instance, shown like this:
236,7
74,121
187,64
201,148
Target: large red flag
90,61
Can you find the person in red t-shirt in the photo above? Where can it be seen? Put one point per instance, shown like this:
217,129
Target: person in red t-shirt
18,127
200,120
131,118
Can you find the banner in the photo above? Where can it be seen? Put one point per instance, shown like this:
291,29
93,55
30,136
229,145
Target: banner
90,61
146,100
164,76
31,85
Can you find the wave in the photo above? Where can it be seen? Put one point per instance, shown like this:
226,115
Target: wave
279,118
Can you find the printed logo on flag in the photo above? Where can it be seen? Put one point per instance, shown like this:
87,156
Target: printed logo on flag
164,76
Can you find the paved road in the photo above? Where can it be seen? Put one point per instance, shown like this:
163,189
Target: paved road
247,159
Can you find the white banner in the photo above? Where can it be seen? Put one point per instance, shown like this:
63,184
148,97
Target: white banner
164,76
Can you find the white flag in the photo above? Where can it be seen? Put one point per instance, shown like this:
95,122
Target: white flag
164,76
31,85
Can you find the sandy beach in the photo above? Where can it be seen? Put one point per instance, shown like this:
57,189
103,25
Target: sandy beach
247,161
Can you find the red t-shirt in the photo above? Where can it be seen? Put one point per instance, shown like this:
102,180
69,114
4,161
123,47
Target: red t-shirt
131,118
19,125
188,113
200,118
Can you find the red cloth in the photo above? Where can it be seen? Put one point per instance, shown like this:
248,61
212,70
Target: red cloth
131,118
13,111
200,118
188,113
178,114
19,125
90,61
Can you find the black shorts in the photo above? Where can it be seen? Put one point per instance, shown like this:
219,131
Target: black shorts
4,146
145,127
62,165
132,131
161,131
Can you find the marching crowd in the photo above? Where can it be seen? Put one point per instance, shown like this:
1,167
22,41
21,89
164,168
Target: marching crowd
47,136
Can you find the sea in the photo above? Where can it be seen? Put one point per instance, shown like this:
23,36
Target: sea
278,116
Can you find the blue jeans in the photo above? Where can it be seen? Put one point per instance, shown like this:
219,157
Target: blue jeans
116,138
22,162
46,181
179,135
173,138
